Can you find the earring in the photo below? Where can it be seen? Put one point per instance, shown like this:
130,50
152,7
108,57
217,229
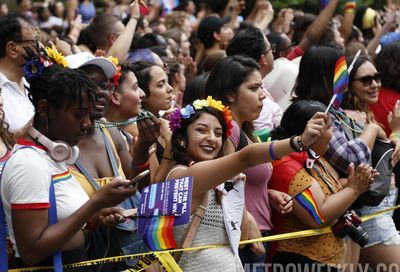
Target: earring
182,144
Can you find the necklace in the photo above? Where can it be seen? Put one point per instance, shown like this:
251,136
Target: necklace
326,177
104,124
346,125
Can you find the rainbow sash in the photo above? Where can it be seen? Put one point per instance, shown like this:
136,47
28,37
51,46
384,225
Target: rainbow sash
306,200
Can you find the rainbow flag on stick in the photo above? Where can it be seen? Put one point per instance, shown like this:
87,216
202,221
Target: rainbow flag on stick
158,234
340,83
307,201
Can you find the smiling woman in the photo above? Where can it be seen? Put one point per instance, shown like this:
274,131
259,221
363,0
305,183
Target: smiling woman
199,132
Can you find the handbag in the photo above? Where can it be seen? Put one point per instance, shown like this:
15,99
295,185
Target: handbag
380,160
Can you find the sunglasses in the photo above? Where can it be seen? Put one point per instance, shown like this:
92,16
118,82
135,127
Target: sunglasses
367,80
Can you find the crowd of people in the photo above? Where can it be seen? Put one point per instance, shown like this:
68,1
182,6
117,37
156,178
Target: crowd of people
233,93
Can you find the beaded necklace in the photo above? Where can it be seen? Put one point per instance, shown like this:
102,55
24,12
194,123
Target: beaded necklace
105,124
326,176
346,125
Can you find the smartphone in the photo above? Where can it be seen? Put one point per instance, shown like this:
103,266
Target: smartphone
130,213
140,176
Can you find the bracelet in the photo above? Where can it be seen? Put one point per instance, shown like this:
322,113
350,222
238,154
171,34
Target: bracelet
349,7
167,158
297,146
271,151
141,166
136,18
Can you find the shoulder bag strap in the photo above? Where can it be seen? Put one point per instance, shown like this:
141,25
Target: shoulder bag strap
193,227
57,258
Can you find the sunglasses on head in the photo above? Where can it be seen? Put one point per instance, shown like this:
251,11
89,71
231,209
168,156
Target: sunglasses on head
367,80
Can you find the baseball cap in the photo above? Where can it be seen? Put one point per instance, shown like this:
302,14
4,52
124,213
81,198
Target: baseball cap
85,58
209,25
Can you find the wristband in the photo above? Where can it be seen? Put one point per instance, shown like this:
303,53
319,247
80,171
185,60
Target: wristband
271,151
136,18
349,7
296,144
142,166
168,158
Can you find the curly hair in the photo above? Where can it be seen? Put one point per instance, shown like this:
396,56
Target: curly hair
5,134
179,153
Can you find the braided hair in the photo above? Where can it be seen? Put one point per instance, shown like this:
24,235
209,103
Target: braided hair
60,85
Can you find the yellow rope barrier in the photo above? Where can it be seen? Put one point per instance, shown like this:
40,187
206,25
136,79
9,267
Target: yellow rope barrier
168,262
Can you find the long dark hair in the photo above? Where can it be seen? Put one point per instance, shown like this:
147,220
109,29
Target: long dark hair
316,71
225,79
295,118
350,100
179,153
387,62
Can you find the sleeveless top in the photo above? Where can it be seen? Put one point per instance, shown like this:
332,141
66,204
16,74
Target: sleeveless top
211,231
256,193
84,182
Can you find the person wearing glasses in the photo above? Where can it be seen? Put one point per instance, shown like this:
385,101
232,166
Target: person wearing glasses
364,87
16,35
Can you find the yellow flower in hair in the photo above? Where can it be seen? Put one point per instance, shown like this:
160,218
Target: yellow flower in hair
215,103
113,60
55,56
199,104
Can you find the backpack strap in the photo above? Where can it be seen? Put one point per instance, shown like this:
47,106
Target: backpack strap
57,257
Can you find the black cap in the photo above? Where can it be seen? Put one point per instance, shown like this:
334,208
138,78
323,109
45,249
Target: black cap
209,25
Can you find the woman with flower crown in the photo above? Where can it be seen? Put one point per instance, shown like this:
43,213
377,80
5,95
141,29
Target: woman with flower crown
199,132
237,81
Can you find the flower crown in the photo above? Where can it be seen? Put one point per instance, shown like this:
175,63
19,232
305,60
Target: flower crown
42,58
175,118
114,80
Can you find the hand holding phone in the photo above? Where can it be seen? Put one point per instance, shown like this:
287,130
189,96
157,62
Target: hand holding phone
139,177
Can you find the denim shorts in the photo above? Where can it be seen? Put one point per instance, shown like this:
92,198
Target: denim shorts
381,229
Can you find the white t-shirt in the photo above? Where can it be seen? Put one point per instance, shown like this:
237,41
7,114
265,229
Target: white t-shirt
26,182
18,109
281,80
270,116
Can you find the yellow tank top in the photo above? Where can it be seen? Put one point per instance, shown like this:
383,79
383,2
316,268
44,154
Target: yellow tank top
85,183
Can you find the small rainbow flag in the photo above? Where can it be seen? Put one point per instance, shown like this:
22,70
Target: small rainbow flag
158,234
61,177
306,200
340,81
